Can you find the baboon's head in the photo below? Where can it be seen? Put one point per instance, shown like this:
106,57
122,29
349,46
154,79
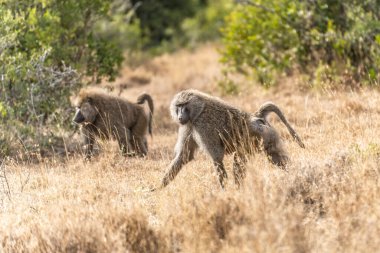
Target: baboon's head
183,114
186,106
85,111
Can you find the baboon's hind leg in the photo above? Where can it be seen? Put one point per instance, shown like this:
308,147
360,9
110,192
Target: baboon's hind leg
141,147
239,168
216,151
125,142
222,174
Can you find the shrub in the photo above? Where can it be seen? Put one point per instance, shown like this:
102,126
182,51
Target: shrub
270,37
47,48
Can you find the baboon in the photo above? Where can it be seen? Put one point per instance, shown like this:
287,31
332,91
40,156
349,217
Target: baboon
106,116
219,128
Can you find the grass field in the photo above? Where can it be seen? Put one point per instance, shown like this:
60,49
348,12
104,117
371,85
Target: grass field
328,200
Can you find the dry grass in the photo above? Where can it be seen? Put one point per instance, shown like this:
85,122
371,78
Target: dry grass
328,201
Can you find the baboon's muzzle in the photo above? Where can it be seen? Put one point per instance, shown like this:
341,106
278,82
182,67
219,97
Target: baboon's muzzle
78,118
182,121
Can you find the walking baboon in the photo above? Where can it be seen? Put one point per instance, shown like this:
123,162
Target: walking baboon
106,116
219,128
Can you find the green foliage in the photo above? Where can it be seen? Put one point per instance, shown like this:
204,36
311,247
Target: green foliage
106,55
47,48
227,86
160,20
67,28
271,37
168,24
205,25
4,146
3,111
259,40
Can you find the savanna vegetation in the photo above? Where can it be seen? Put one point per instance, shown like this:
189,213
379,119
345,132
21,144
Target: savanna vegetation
317,59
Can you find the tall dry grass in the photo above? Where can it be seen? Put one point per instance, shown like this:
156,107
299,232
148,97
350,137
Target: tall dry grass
328,200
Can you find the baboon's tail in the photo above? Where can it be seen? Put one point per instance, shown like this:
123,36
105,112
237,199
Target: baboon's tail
269,107
141,100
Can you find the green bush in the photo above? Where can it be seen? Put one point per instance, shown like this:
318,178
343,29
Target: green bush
276,36
169,24
161,20
205,25
48,49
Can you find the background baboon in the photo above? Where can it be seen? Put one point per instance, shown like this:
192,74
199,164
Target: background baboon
106,116
219,129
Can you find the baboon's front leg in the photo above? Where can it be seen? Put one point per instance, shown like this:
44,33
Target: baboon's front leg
89,142
175,167
184,150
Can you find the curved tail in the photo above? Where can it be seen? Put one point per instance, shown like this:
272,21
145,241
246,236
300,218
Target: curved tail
269,107
141,100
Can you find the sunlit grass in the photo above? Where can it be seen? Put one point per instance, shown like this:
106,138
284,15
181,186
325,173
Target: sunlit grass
327,201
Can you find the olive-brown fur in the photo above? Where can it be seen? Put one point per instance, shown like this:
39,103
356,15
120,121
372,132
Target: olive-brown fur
106,116
218,128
